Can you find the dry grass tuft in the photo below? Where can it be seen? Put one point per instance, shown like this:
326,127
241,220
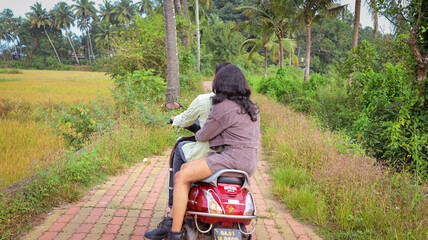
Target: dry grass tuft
23,148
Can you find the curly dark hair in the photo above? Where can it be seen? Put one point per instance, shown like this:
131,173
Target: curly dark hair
230,83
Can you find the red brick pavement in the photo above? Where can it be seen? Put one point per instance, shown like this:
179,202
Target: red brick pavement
125,207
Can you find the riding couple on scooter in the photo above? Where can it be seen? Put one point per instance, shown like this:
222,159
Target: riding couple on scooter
233,125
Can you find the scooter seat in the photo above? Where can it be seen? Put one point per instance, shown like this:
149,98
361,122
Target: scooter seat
231,180
229,175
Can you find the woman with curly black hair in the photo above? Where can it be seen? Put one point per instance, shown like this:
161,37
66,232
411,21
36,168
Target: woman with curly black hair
234,125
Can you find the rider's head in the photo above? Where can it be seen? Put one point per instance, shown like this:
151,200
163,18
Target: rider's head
231,81
219,66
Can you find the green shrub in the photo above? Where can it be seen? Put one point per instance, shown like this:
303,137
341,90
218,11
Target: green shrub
362,58
78,122
391,124
285,86
137,87
10,71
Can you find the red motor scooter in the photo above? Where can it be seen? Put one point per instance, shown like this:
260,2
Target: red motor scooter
219,206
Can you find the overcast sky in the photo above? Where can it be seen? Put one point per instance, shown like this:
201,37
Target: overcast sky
20,7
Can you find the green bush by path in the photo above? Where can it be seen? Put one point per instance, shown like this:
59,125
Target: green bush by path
331,183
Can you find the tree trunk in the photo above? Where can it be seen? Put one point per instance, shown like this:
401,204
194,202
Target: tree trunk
16,51
356,23
89,51
178,7
185,40
184,7
198,38
3,55
90,42
375,19
9,52
281,52
421,58
422,70
266,62
173,80
87,42
72,47
44,28
308,51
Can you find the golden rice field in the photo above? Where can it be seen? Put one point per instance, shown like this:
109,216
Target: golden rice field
42,86
26,144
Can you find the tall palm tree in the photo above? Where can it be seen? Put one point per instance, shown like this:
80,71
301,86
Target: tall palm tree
256,44
63,20
184,7
106,11
8,27
278,15
19,25
356,23
104,35
84,10
198,38
251,26
124,11
315,10
40,17
185,39
290,46
375,15
145,7
173,80
198,35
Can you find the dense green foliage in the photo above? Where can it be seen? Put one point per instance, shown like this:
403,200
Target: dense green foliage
140,46
391,122
219,47
377,104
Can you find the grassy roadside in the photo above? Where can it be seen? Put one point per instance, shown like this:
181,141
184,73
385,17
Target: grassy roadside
72,175
328,182
130,137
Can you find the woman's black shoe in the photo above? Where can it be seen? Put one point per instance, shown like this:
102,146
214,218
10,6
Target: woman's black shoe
161,232
175,235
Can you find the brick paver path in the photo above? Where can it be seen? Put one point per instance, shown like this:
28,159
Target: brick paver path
126,206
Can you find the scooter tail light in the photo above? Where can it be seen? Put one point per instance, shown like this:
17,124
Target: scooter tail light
213,206
250,207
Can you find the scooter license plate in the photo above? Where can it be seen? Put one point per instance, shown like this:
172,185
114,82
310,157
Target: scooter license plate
227,234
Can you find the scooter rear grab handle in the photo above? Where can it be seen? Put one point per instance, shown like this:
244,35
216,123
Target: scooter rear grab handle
221,215
213,178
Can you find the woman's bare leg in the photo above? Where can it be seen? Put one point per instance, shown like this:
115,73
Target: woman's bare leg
193,171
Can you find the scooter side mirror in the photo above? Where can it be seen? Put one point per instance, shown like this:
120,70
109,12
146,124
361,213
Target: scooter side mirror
172,105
